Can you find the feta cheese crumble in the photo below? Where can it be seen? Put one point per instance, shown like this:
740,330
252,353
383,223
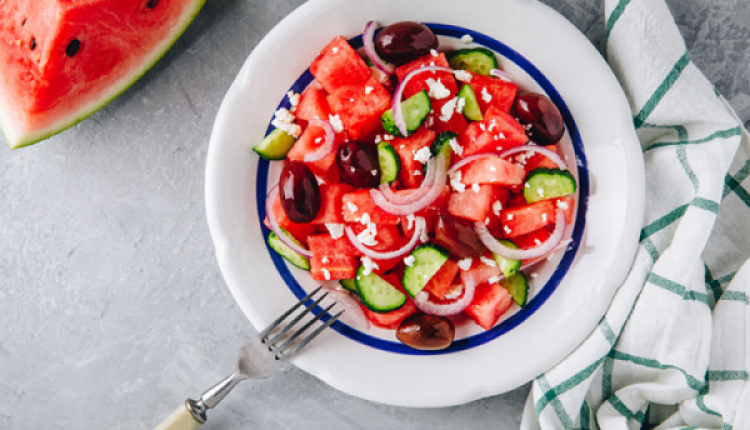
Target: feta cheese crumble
423,155
466,39
368,265
462,75
293,99
327,274
488,261
475,188
409,260
410,221
367,236
456,183
486,96
497,207
336,230
455,146
284,120
335,121
465,263
368,89
446,112
352,207
437,90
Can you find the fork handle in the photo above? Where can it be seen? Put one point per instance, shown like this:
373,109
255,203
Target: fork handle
180,419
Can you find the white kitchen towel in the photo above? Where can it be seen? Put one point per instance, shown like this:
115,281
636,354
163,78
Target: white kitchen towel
673,349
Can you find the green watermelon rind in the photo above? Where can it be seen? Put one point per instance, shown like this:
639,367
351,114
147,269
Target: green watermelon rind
30,138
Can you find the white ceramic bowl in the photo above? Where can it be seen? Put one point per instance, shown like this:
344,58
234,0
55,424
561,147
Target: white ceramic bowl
544,53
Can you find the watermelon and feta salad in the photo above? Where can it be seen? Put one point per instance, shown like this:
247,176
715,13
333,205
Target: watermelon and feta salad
423,180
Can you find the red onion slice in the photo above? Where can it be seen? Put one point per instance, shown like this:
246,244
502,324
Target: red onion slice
398,115
523,254
423,302
432,194
501,74
327,146
368,37
415,195
353,314
378,255
286,240
552,155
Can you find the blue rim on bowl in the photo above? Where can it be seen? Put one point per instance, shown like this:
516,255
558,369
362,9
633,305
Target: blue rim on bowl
550,286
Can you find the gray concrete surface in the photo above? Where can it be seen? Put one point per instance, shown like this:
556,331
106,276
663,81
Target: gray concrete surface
113,309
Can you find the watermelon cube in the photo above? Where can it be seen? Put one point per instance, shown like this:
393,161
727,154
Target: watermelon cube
310,140
497,132
339,64
392,319
360,106
412,171
533,239
440,120
313,103
358,203
420,81
330,203
480,271
491,91
332,258
493,170
442,281
476,203
520,220
490,302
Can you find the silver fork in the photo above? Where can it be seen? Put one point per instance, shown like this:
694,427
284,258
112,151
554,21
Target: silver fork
258,358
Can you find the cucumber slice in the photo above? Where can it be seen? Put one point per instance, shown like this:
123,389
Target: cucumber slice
476,60
349,284
376,293
543,184
508,266
390,163
427,261
518,288
471,106
276,145
441,145
415,110
289,255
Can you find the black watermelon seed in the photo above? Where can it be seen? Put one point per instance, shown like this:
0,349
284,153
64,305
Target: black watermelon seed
152,4
32,45
73,47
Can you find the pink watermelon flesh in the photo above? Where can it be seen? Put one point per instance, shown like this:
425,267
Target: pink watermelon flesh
64,59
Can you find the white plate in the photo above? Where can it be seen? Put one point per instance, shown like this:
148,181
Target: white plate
543,52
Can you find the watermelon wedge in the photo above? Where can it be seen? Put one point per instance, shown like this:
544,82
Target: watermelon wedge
64,59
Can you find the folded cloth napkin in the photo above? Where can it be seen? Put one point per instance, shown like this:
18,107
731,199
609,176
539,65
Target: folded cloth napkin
673,349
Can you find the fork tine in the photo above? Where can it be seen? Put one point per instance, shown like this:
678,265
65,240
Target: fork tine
305,341
278,320
271,342
297,333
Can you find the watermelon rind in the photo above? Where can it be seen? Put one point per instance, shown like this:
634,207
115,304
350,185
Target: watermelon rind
17,139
